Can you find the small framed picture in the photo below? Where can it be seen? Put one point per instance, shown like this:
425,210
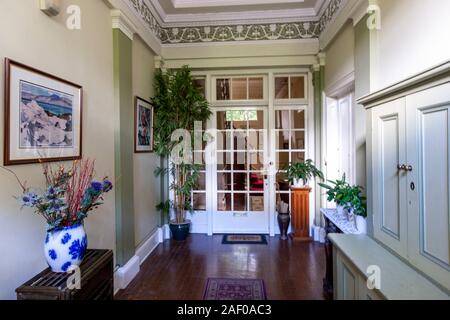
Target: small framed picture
43,116
143,126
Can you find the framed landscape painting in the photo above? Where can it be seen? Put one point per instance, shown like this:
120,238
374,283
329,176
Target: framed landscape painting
143,126
42,116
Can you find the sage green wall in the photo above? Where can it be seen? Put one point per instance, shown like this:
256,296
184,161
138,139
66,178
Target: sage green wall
362,87
146,186
82,56
124,146
340,56
318,83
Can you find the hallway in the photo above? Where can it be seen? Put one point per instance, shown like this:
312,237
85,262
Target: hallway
135,133
179,271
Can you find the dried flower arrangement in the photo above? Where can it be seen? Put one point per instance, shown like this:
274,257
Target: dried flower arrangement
70,194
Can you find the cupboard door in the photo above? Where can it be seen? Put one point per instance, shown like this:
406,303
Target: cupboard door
346,281
389,205
428,150
367,294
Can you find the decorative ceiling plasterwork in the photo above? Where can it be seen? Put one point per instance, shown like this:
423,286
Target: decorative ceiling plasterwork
301,30
245,32
330,13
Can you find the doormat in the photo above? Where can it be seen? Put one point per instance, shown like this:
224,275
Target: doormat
235,289
244,239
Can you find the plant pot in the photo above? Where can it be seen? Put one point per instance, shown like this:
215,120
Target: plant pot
351,215
340,210
299,183
65,247
180,231
361,224
283,222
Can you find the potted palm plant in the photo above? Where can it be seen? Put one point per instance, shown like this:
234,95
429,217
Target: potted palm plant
300,173
178,105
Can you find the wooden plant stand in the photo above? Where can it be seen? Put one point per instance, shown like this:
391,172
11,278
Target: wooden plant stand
300,213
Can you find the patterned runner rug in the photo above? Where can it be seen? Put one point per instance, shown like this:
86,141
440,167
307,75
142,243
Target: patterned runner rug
244,239
235,289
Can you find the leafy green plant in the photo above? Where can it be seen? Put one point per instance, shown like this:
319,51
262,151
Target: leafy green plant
303,170
347,196
335,190
178,105
355,200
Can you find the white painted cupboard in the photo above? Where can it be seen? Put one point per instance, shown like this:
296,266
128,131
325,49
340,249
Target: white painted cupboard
408,145
365,270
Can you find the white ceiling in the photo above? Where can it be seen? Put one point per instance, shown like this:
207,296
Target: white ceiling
216,12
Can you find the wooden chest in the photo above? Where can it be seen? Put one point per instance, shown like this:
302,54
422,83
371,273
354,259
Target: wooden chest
97,272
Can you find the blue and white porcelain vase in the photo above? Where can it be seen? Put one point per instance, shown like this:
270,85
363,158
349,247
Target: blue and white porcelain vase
65,247
340,210
361,224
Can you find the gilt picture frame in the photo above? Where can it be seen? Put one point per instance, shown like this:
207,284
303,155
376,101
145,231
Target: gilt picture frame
143,126
43,116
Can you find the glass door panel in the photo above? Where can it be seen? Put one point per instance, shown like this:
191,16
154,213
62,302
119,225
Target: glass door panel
241,180
290,146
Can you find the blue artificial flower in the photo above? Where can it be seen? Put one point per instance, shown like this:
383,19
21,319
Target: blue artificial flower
66,266
51,193
29,199
66,238
55,206
107,185
26,199
97,186
52,254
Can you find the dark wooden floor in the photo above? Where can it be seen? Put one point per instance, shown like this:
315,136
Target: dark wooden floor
178,271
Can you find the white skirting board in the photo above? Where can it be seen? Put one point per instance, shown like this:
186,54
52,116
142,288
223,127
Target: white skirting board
147,247
125,274
166,231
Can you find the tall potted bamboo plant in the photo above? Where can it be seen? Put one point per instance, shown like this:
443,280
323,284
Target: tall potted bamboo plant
178,105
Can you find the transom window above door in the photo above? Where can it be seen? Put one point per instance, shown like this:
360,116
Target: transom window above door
290,87
249,88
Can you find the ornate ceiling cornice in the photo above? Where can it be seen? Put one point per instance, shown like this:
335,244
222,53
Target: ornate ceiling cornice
244,32
330,13
251,32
